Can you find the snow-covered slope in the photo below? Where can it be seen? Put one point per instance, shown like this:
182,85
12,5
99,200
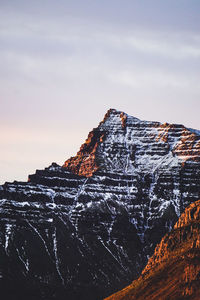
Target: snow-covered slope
86,229
173,270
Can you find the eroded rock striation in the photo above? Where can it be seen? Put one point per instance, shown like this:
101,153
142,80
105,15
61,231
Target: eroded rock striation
173,272
86,229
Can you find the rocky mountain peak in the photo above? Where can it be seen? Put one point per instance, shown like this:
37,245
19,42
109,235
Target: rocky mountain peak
85,162
114,116
122,143
87,229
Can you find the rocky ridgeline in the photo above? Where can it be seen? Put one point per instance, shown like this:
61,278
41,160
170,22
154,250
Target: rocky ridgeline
86,229
173,271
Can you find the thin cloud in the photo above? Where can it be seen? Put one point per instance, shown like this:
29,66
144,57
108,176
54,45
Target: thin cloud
151,79
57,34
63,73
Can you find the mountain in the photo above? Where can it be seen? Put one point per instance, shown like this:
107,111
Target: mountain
86,229
173,272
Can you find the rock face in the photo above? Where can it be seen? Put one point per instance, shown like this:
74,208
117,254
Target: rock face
86,229
173,272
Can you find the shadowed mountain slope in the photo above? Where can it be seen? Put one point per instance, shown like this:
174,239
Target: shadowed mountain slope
86,229
173,272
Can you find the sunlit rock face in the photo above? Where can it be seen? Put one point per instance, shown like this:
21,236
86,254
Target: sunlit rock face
86,229
173,271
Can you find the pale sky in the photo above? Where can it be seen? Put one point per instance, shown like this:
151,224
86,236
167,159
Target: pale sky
63,64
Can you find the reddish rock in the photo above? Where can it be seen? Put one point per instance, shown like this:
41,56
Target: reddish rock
164,130
64,236
173,272
85,163
188,147
119,128
123,117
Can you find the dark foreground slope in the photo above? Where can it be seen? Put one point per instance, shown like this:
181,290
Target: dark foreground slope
86,229
173,272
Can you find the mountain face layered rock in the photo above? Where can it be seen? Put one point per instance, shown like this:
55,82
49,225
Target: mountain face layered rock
173,272
86,229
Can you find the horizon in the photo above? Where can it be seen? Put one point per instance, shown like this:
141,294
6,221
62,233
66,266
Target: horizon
63,65
83,141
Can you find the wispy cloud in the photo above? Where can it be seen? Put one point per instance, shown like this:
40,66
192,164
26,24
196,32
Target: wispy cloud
152,79
73,32
62,73
172,45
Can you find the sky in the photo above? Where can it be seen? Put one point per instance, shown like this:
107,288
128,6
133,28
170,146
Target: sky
63,64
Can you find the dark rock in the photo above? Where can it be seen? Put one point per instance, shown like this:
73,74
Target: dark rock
85,230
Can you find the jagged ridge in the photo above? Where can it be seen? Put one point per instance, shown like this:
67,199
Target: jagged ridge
94,233
86,160
119,128
173,272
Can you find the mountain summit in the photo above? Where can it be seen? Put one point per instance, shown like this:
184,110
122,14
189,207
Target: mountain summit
141,143
86,229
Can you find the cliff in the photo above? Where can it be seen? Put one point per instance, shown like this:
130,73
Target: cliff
173,272
86,229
